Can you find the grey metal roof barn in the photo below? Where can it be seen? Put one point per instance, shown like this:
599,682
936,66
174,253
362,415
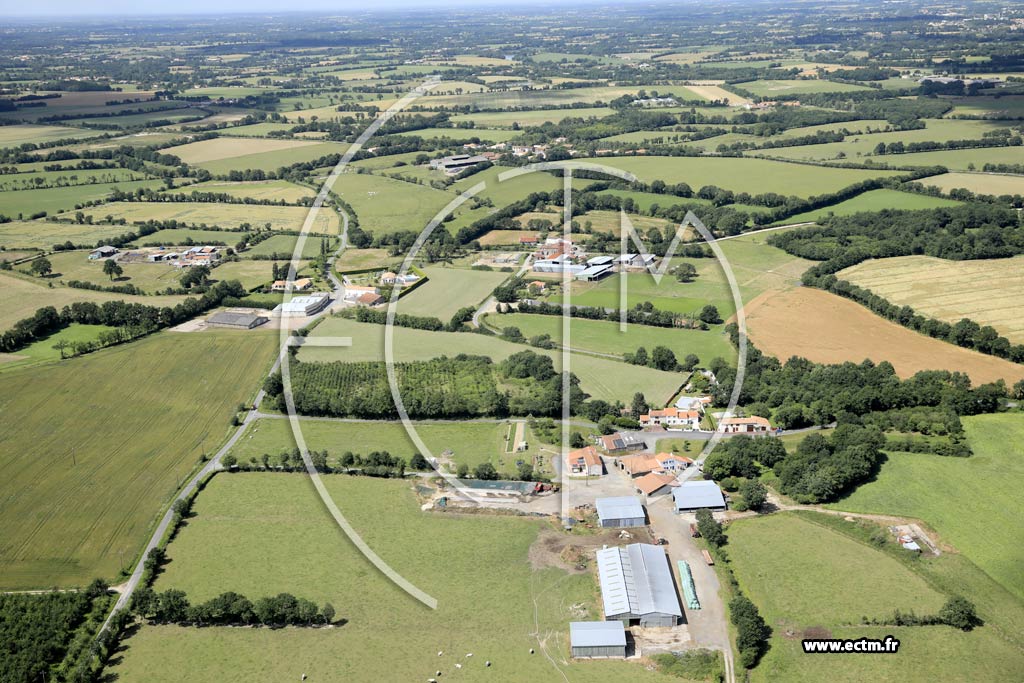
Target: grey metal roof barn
239,320
636,584
597,638
694,495
620,511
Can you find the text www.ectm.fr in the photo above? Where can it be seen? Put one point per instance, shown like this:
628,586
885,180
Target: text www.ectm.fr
839,645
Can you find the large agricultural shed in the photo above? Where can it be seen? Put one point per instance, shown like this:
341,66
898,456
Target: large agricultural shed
620,511
696,495
241,321
597,638
636,585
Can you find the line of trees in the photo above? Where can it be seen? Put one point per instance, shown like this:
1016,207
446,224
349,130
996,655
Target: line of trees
229,609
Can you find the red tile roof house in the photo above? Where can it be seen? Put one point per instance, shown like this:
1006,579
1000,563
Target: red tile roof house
526,239
655,484
673,418
585,462
744,425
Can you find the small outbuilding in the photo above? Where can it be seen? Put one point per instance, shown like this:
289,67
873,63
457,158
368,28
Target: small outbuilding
103,252
698,495
597,639
620,511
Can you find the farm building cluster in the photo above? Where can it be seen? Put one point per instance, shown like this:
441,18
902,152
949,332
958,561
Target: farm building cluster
181,258
559,255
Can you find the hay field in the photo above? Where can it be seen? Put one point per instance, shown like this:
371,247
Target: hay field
261,189
980,183
12,136
830,329
135,418
534,117
987,291
201,214
43,235
266,533
715,92
774,88
873,200
225,148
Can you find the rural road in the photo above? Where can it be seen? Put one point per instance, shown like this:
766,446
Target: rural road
489,303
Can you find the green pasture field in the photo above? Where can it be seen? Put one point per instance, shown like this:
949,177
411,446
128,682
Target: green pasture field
993,107
358,259
141,139
790,567
68,178
256,130
56,199
605,337
760,267
145,118
385,205
273,190
709,287
388,162
973,503
465,134
513,189
43,235
200,214
873,200
528,117
217,149
550,98
285,244
225,92
449,289
771,88
250,273
954,159
134,420
755,176
471,443
980,183
178,237
645,200
24,294
75,265
19,134
266,533
602,378
855,147
43,351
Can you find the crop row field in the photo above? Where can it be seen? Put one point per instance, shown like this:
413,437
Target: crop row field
273,526
603,378
222,155
979,183
142,414
229,216
986,291
826,328
789,566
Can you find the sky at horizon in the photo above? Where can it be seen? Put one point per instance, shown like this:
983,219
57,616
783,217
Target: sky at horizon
129,8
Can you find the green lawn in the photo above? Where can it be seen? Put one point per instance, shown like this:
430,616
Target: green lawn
875,200
449,289
92,447
603,378
260,534
802,575
973,503
742,174
604,337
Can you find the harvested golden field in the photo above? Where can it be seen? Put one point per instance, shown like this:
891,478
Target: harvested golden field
715,92
980,183
829,329
987,291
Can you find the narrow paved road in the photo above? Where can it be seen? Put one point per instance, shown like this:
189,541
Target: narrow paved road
489,302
